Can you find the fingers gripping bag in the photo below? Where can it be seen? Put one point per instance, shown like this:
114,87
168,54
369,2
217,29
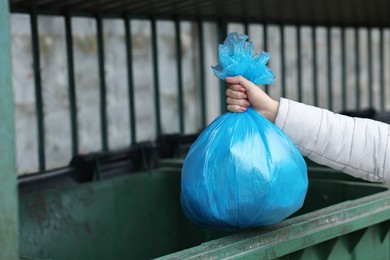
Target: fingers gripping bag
242,171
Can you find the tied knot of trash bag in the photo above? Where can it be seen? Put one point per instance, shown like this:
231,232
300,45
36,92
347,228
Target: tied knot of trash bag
236,57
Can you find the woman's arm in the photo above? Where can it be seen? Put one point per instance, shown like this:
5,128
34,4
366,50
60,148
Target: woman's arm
356,146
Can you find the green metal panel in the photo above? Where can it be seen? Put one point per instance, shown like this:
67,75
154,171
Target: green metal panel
307,236
131,217
139,217
9,242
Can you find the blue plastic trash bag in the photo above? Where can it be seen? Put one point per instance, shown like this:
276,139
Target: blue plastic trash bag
242,171
236,57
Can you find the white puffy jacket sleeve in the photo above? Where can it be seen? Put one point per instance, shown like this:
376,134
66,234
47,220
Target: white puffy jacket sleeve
356,146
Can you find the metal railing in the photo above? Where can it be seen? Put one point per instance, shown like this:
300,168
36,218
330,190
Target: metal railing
296,54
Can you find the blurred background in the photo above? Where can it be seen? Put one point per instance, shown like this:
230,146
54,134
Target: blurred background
360,52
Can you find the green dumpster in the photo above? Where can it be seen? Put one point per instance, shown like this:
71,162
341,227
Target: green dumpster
138,216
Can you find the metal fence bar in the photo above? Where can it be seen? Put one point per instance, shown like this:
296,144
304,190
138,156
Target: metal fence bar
314,64
265,37
155,77
130,81
381,70
357,69
201,74
102,77
222,33
299,62
38,91
329,66
283,61
246,27
265,47
343,70
71,82
179,67
370,72
9,220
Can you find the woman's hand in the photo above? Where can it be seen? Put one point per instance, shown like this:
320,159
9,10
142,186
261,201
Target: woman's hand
242,93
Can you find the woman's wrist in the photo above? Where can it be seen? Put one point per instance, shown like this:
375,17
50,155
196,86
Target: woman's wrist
271,110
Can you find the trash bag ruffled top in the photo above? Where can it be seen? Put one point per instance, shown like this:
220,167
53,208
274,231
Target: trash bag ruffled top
236,57
242,171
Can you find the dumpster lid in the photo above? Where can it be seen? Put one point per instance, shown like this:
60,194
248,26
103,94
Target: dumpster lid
372,13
